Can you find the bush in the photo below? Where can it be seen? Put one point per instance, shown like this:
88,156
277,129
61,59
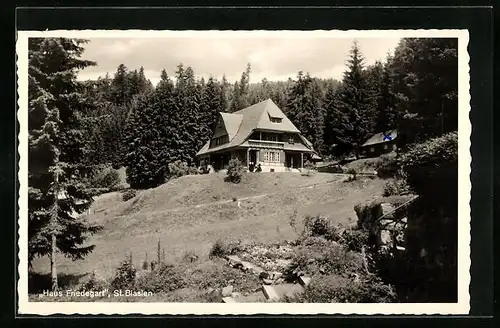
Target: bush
319,256
355,239
106,178
164,278
223,247
95,283
431,168
125,276
178,169
388,166
309,168
363,289
353,174
129,194
234,171
321,226
396,187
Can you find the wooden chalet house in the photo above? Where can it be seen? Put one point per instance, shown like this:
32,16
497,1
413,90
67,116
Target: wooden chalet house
259,134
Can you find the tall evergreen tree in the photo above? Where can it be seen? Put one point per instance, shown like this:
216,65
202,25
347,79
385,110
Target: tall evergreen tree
152,136
240,92
119,85
225,91
305,109
354,106
56,191
425,79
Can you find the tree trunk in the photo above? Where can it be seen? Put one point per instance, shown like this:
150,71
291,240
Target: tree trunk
53,269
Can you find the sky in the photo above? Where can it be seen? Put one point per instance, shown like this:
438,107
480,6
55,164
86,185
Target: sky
275,58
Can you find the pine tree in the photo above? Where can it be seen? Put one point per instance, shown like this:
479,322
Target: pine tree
354,106
305,109
56,191
240,92
119,86
224,94
425,82
150,136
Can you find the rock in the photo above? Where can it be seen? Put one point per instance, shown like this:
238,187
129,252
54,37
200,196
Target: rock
304,281
233,260
322,270
270,293
228,300
236,295
267,281
385,237
226,291
276,275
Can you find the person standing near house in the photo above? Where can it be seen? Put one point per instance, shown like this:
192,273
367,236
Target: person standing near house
259,169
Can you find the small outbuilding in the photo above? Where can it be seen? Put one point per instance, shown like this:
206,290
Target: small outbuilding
380,143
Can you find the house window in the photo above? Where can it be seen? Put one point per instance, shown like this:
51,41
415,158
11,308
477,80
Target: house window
219,141
291,140
272,156
275,120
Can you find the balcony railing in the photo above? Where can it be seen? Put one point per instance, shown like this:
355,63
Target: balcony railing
266,144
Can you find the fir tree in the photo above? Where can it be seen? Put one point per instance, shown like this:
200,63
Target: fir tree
425,84
305,109
240,91
354,106
56,191
150,136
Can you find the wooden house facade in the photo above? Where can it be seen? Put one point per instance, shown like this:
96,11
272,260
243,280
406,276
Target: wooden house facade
259,134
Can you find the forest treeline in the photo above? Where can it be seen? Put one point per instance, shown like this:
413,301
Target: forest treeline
124,120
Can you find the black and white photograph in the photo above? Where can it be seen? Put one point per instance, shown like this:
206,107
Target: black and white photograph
242,172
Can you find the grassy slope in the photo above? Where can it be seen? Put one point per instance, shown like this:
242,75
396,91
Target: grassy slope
177,213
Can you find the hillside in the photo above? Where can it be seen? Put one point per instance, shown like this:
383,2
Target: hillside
189,214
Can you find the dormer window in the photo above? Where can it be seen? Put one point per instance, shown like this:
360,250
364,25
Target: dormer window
291,140
275,119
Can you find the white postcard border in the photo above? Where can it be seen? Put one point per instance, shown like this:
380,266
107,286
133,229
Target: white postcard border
108,308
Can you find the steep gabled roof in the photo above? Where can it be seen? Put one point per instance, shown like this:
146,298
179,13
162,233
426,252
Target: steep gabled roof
232,123
381,138
242,123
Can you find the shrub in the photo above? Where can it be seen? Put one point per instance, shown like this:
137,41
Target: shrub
223,247
355,239
164,278
396,187
178,169
388,166
431,168
190,257
309,168
321,226
234,171
106,178
192,170
353,174
95,283
317,255
125,276
129,194
363,289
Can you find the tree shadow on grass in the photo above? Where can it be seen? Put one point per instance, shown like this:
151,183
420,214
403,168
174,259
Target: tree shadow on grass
38,282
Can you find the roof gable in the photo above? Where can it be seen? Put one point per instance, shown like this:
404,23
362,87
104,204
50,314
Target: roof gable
232,123
381,137
240,124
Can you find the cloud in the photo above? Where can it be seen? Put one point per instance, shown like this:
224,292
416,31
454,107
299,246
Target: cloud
271,57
